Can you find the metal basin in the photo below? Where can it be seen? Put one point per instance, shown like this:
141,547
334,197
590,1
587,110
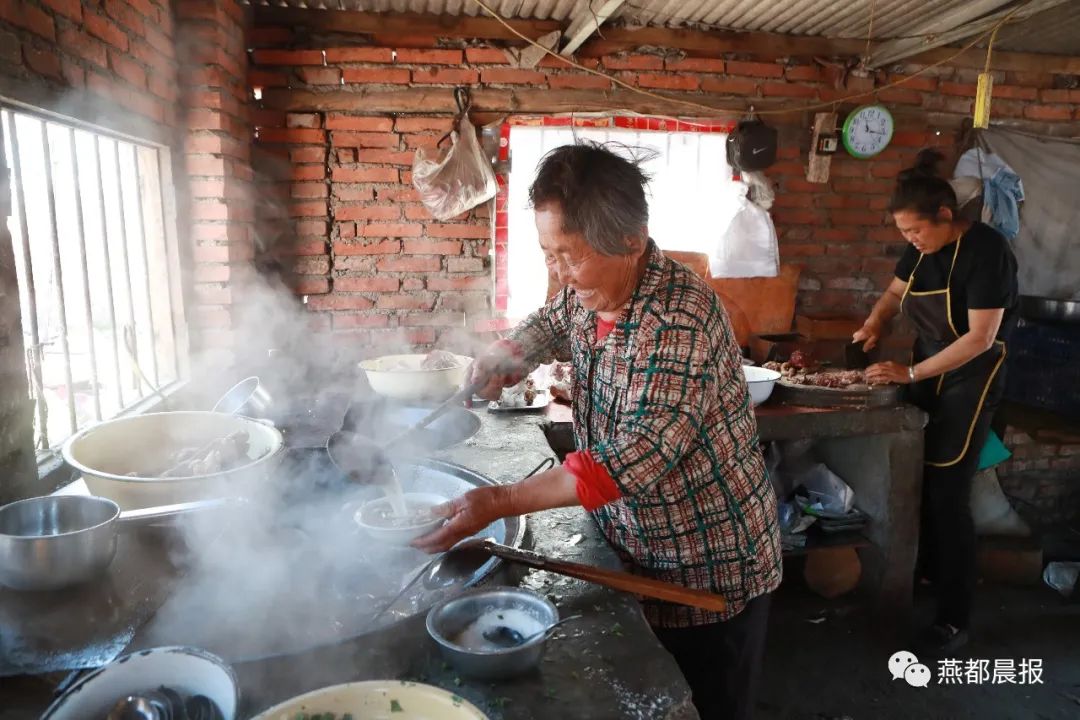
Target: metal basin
382,420
1049,309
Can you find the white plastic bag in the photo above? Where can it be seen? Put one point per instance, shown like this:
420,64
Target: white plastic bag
748,248
825,487
460,180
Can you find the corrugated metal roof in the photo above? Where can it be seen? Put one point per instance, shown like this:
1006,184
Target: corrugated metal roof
1053,31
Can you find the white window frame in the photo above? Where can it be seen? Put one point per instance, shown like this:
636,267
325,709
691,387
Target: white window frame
137,215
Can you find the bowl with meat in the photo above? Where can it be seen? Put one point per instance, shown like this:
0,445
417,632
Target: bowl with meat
761,382
169,458
431,377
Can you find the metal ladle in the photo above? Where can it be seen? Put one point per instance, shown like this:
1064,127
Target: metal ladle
508,637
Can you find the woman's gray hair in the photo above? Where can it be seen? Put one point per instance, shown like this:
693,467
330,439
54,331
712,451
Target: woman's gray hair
600,193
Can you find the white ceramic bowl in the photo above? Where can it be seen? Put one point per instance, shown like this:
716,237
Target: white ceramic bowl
105,452
399,536
401,377
378,699
187,670
761,382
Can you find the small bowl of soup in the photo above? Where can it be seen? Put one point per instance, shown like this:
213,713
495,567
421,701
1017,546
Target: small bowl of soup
384,523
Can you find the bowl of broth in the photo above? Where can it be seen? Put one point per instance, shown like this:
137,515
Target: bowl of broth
402,519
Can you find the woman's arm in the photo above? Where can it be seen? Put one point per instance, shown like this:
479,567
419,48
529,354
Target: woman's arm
885,309
983,324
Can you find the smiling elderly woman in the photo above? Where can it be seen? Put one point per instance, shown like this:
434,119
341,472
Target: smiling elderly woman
669,462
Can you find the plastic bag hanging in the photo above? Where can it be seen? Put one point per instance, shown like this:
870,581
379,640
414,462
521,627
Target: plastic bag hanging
462,178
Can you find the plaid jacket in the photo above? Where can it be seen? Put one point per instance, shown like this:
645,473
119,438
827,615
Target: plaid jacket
662,403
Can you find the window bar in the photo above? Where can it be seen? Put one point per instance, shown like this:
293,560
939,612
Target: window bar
19,188
133,351
108,272
163,200
146,264
58,271
85,275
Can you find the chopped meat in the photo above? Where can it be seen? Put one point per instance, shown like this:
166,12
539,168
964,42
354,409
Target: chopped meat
837,379
802,360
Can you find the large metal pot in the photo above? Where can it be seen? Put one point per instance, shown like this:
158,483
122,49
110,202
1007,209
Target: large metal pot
107,452
56,541
1049,309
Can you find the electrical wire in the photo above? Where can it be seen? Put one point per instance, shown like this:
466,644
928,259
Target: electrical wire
738,111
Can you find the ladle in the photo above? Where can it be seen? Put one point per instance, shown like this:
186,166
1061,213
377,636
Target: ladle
462,561
508,637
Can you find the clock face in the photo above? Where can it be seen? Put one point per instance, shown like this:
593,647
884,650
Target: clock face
867,131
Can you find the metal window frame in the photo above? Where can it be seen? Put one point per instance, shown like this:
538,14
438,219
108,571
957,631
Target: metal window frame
48,459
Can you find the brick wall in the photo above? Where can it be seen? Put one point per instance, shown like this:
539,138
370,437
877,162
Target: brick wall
1043,474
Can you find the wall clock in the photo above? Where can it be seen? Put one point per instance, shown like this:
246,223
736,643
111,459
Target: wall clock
867,131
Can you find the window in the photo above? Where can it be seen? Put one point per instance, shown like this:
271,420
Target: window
93,229
691,195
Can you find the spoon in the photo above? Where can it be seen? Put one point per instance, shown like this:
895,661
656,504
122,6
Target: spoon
508,637
134,707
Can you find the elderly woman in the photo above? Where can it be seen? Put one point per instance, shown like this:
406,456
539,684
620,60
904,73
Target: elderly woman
668,461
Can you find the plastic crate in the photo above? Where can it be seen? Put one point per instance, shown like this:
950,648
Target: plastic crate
1043,367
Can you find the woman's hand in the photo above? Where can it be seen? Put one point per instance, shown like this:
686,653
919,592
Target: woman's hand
884,373
868,334
497,368
467,515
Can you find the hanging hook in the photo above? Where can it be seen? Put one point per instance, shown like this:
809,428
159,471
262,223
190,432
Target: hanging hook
463,99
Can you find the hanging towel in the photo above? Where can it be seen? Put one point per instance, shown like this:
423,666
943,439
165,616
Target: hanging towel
1002,194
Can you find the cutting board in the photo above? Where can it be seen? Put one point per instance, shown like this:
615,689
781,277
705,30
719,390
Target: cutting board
810,396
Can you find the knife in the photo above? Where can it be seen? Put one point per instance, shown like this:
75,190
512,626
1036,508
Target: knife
855,358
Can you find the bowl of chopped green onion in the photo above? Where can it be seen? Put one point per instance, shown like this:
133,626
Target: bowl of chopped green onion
375,700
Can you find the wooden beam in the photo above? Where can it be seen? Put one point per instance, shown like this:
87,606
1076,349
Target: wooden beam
961,23
586,20
715,43
359,23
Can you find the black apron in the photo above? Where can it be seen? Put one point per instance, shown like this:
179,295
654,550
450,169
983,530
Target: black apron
954,400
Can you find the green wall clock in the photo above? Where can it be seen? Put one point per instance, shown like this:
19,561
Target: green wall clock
867,131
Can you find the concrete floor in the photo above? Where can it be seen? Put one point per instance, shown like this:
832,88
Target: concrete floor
836,669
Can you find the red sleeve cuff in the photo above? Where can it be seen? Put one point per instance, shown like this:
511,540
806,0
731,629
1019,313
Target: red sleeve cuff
595,486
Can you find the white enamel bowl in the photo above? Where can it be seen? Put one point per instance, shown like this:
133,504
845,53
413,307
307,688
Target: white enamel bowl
761,382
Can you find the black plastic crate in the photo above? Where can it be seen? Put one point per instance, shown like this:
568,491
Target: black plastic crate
1043,367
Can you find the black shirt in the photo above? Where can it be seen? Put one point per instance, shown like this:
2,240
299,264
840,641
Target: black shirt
984,277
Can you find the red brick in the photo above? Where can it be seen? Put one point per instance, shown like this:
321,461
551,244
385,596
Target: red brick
106,30
1048,112
346,156
419,124
307,155
633,62
266,78
29,17
362,139
410,264
439,319
315,208
512,76
430,57
578,82
465,265
900,96
288,57
487,56
479,282
362,247
883,169
294,136
729,86
122,12
787,89
376,76
364,175
310,227
202,165
427,141
303,120
804,73
399,194
392,230
387,157
127,69
335,301
706,65
43,62
349,321
346,229
211,254
417,212
962,89
371,212
356,194
74,75
320,75
1057,96
411,301
71,9
1016,92
911,139
432,247
340,121
755,69
668,82
269,36
309,285
309,190
837,235
367,284
445,76
480,232
412,284
857,217
359,55
83,45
